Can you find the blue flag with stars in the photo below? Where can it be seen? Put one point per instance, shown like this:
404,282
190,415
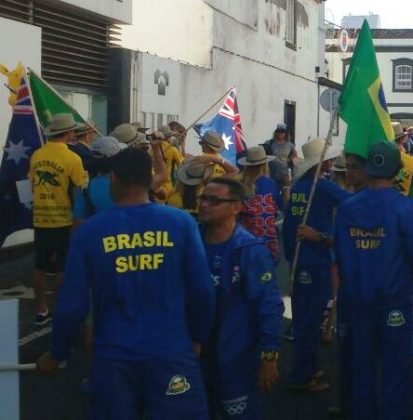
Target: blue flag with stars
227,123
22,140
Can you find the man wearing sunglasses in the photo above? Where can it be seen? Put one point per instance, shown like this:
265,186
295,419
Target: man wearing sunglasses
241,356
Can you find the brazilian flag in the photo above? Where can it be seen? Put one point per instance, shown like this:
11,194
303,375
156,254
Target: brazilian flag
362,102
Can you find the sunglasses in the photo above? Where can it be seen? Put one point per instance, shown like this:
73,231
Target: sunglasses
214,200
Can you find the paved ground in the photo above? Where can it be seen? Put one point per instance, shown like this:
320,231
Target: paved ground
60,397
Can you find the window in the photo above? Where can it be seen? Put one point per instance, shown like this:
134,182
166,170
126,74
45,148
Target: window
403,79
403,75
291,24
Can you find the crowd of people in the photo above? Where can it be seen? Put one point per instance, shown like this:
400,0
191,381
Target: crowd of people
168,261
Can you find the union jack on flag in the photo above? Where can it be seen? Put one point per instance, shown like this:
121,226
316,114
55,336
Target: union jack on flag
22,140
227,123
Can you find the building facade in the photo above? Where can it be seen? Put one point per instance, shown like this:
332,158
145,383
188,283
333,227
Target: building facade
67,42
394,51
184,56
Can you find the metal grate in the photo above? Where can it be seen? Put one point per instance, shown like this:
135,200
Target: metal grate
16,10
75,43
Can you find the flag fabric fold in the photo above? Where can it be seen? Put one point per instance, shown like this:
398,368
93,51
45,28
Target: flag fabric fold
227,123
48,102
362,101
15,191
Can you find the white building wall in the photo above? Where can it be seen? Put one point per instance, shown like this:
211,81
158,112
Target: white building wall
179,29
238,43
385,63
118,10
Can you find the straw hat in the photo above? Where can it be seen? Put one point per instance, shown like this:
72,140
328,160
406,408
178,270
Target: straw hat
312,154
191,173
125,133
339,164
213,141
166,131
255,156
86,128
106,147
62,123
398,130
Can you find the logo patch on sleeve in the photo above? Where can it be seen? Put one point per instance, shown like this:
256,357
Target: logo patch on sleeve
178,385
266,277
395,319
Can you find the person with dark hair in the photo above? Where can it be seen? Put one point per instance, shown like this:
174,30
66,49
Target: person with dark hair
241,356
356,175
282,167
178,135
152,300
53,170
96,197
373,245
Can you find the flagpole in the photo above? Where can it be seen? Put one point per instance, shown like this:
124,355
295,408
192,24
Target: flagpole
312,194
36,119
209,109
64,100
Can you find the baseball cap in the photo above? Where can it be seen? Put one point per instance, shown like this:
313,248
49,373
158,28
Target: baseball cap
106,147
384,160
281,127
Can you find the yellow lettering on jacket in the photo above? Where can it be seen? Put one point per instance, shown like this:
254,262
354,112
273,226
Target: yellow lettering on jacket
147,239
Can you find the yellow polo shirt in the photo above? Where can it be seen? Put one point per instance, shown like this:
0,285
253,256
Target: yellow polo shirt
53,169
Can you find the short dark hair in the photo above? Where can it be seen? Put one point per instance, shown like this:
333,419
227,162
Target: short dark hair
360,159
133,167
236,189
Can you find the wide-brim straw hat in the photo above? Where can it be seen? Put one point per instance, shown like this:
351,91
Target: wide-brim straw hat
62,123
312,154
398,130
213,141
339,164
192,173
125,133
255,156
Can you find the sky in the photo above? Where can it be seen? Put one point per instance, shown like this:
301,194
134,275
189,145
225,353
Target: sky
393,14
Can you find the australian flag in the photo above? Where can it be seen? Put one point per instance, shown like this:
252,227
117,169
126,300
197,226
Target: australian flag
22,140
227,123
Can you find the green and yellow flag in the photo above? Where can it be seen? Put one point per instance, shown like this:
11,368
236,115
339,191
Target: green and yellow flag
48,102
362,102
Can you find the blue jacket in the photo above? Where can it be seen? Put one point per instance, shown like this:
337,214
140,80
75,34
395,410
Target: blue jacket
249,305
327,197
148,274
374,247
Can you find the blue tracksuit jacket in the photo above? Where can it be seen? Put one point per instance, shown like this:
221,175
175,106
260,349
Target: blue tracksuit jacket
248,320
148,272
374,250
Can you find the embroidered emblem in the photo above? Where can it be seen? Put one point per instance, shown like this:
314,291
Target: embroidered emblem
178,385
